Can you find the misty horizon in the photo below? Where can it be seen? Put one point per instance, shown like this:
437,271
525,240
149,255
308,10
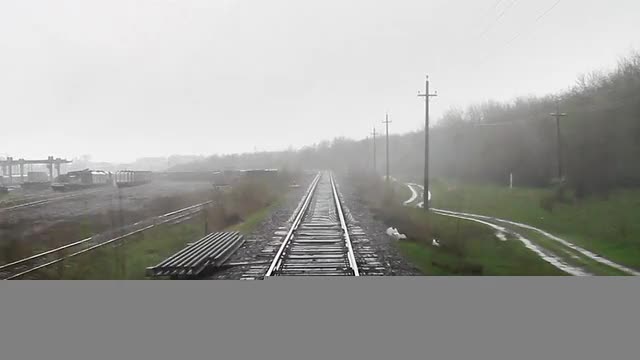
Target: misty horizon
157,79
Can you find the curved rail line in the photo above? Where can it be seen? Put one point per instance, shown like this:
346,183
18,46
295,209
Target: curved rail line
36,262
318,242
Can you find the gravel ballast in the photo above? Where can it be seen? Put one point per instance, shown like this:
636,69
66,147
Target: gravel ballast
375,252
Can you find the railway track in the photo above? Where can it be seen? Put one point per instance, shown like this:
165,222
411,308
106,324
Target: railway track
19,204
23,267
318,241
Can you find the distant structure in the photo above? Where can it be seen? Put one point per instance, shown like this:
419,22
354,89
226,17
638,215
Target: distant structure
127,178
76,180
9,163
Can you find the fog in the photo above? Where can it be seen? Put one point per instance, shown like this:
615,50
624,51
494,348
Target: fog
120,80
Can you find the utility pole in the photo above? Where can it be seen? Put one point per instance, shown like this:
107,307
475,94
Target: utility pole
426,95
374,150
558,115
387,122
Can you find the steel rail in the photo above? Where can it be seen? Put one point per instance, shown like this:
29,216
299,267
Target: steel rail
30,270
48,200
345,229
318,242
175,217
277,260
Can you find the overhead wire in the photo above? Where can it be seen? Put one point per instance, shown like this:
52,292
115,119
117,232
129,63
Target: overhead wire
547,12
532,26
497,20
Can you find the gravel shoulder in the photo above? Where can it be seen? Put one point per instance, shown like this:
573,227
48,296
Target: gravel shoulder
375,232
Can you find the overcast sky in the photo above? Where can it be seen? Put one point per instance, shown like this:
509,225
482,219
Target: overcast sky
125,79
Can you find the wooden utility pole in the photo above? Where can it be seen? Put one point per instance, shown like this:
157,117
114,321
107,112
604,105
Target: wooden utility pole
426,95
374,150
387,122
558,115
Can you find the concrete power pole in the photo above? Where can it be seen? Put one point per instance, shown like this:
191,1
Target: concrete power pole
426,95
374,150
558,115
387,122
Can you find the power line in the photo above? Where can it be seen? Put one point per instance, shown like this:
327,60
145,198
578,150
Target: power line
547,12
497,20
490,9
480,20
508,43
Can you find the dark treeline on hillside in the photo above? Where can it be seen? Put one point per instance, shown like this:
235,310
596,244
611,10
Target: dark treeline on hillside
600,136
487,142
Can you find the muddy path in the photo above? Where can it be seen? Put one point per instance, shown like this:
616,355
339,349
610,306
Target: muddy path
564,255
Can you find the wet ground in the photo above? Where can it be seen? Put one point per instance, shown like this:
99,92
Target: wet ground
26,230
371,244
562,254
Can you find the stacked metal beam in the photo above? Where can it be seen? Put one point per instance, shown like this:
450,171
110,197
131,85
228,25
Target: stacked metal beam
212,250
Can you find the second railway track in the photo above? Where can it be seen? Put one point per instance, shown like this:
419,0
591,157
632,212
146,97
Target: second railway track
318,241
21,268
10,205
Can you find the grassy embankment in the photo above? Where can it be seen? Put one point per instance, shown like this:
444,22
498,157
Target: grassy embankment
466,248
242,209
607,225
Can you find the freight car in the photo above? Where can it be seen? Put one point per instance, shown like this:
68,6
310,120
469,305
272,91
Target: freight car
127,178
76,180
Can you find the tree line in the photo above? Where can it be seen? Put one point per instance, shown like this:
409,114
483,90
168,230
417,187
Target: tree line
485,143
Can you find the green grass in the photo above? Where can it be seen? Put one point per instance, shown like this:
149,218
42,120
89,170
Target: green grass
401,191
570,256
254,220
10,197
242,209
469,249
130,259
607,226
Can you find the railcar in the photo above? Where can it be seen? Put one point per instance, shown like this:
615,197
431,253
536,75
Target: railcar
83,179
126,178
